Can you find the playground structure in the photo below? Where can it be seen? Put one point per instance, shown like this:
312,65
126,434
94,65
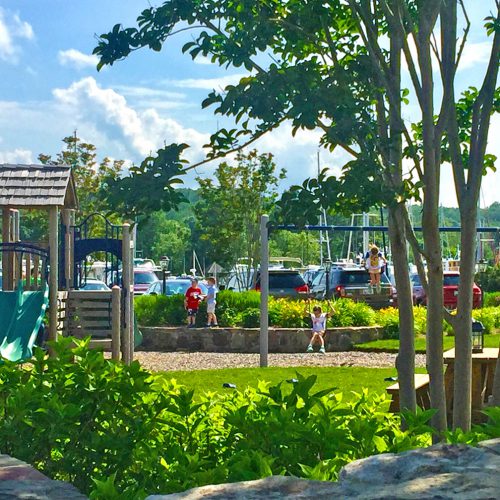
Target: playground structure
37,276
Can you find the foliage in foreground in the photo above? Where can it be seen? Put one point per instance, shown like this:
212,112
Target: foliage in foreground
119,431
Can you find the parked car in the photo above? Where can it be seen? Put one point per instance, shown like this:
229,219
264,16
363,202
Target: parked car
285,283
451,281
173,286
142,280
93,284
354,283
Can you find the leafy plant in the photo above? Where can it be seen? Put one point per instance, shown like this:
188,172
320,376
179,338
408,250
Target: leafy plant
491,299
118,431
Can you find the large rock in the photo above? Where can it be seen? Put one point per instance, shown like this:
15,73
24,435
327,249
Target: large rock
445,472
19,480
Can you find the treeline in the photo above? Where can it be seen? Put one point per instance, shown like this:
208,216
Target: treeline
219,219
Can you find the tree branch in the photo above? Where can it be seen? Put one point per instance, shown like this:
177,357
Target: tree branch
344,146
257,136
465,35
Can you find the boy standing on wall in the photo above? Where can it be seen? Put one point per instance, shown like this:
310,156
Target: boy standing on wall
192,302
211,302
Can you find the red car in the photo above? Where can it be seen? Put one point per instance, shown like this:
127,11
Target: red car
451,280
142,280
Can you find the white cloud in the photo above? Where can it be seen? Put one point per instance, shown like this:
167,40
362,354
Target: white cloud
23,156
77,59
204,60
144,131
208,83
148,92
12,28
474,53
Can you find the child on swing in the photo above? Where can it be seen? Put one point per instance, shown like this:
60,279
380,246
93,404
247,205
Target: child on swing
318,319
375,261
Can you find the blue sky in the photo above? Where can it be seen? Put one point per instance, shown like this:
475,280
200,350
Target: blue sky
50,87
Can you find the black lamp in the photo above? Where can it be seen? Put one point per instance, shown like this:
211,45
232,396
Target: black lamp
328,269
164,261
477,336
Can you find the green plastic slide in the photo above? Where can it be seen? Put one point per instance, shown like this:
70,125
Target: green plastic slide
21,315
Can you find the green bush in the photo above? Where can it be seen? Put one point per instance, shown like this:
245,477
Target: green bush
118,431
250,318
388,319
489,280
155,310
350,313
489,317
491,299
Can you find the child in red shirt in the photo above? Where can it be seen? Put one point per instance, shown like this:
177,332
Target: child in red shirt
192,301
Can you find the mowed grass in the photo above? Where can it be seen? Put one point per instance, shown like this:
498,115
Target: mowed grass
392,345
345,379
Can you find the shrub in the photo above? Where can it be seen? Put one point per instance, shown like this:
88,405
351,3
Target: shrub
350,313
388,319
489,317
118,431
489,280
288,313
491,299
250,318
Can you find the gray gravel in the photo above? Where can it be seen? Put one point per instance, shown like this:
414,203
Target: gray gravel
168,361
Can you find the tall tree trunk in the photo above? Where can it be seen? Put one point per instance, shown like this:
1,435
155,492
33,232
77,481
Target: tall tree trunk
405,363
463,321
406,356
430,230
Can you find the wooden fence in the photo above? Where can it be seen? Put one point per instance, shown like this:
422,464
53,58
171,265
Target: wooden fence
92,313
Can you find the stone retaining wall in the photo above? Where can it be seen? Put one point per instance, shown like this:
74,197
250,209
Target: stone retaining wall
246,340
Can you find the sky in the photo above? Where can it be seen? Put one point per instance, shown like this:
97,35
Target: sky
50,87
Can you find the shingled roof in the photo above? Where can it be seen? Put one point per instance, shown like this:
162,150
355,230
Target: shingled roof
37,186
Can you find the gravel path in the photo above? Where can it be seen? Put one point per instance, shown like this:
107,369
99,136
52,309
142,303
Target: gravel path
168,361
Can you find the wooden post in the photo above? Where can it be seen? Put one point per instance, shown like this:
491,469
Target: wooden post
16,259
71,247
264,291
132,321
66,215
7,256
126,292
28,271
53,278
36,271
115,322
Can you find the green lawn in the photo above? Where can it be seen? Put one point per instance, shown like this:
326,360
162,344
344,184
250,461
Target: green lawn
392,345
345,379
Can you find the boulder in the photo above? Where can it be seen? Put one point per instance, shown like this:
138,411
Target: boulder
19,480
445,472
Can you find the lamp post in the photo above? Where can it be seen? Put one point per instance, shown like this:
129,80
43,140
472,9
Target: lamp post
328,269
164,261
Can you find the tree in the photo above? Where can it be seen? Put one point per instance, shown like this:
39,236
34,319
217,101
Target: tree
229,209
159,236
89,174
331,71
302,244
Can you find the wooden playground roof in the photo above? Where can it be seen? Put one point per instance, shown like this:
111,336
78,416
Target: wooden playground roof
37,186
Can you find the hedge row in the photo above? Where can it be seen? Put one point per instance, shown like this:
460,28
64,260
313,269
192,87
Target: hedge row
242,309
